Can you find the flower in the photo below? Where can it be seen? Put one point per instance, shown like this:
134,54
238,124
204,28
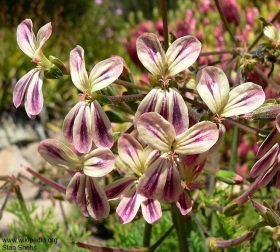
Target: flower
163,180
83,189
28,89
168,102
86,121
134,159
272,34
214,90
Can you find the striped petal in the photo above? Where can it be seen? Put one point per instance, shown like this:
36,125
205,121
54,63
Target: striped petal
98,162
156,131
265,162
268,176
104,73
182,54
43,35
244,99
270,140
151,210
197,139
98,206
25,38
82,138
151,54
101,127
57,154
213,88
148,104
130,151
75,192
119,187
172,188
78,72
69,121
129,206
34,97
21,87
184,203
152,182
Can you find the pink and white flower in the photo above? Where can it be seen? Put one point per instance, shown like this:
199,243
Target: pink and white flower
87,122
28,89
83,189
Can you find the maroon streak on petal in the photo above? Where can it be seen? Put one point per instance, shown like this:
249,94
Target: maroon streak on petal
34,97
21,87
69,121
98,206
129,206
119,187
82,130
277,183
267,177
265,162
172,188
151,210
101,127
179,116
270,140
184,203
82,197
148,104
152,182
73,187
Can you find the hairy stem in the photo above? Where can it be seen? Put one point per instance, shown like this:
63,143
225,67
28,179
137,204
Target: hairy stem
131,85
147,235
234,146
163,9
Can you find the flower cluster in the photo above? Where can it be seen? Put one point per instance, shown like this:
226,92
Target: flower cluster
163,156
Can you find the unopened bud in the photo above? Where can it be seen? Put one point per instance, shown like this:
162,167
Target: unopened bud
229,177
232,209
53,73
267,111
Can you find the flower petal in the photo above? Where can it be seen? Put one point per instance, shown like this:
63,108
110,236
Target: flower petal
101,127
148,104
149,155
270,140
151,54
82,138
197,139
25,38
271,32
78,72
98,162
213,88
105,72
34,96
179,117
244,99
267,177
21,87
172,188
57,154
152,182
119,187
182,54
130,152
43,35
129,206
69,121
184,203
98,207
151,210
156,131
265,162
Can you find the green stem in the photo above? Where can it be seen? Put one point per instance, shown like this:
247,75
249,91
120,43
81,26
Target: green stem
147,235
242,126
125,98
131,85
163,9
25,211
156,245
217,3
234,145
180,226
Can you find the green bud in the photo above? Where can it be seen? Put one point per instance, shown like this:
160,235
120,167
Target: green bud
232,209
53,73
229,177
56,62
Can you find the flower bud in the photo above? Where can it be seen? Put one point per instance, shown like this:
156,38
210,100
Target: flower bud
270,216
232,209
229,177
53,73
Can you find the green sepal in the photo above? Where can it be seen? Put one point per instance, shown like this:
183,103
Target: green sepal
53,73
